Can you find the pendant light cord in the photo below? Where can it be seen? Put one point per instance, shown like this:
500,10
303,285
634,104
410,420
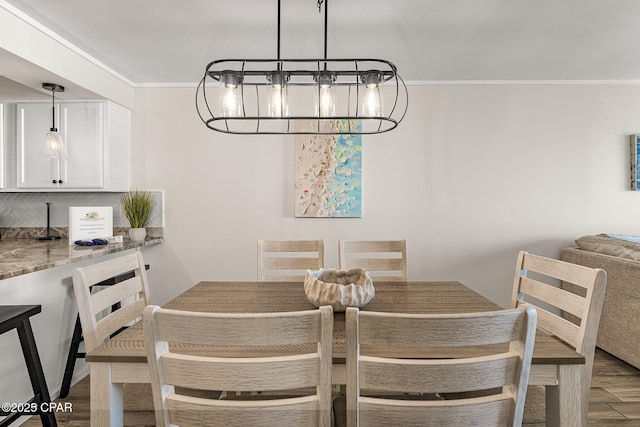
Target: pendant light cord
53,110
53,88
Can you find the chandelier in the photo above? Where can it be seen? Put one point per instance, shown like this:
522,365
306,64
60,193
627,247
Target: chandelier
301,96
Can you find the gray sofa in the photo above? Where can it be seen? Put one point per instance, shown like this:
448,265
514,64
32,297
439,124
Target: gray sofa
619,331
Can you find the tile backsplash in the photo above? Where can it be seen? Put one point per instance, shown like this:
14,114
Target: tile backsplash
30,209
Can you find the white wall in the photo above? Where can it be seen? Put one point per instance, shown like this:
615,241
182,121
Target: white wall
473,174
32,54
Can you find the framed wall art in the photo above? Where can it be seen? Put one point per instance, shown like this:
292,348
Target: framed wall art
635,159
328,173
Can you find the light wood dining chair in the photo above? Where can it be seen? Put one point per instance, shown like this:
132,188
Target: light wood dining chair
311,331
99,323
288,260
501,371
581,296
385,260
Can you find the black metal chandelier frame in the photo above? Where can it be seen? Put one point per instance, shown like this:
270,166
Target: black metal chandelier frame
352,74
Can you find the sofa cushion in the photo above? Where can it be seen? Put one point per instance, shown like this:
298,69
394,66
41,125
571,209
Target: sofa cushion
634,239
604,244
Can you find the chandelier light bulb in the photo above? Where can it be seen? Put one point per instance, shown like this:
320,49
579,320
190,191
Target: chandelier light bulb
230,88
278,104
325,96
371,105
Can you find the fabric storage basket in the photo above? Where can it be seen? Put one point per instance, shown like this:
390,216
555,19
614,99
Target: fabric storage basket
339,288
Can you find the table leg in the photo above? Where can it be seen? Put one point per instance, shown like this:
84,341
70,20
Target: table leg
106,398
563,401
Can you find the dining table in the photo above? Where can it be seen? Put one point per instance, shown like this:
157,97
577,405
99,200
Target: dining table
123,359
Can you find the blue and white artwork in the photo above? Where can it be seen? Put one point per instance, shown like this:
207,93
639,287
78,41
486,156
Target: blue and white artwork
635,162
328,173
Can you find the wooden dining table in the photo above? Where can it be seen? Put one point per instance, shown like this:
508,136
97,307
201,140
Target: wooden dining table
123,359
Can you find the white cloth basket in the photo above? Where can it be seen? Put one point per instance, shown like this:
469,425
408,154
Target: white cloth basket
339,288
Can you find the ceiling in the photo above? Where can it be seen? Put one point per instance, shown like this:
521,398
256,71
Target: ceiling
155,42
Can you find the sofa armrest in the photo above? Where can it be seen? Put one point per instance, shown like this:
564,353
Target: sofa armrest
619,323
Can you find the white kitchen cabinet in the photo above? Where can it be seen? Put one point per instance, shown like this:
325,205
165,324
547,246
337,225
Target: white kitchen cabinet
3,155
97,135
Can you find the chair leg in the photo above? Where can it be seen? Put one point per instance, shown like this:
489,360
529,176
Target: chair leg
71,359
73,355
36,374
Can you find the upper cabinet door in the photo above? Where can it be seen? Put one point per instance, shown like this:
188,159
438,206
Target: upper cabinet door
3,156
81,125
33,120
82,128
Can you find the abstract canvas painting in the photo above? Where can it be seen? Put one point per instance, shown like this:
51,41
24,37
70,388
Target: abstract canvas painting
635,162
328,172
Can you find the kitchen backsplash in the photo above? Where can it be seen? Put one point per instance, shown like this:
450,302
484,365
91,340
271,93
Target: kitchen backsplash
30,209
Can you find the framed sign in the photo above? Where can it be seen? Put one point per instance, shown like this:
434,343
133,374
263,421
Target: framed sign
90,222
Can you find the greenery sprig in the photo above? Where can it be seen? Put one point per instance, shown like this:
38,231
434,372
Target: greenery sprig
137,206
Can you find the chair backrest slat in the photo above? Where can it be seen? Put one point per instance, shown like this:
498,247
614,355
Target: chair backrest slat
266,329
483,412
290,245
405,375
296,371
167,332
301,411
373,245
503,364
128,288
288,260
556,325
385,260
557,297
442,330
104,270
289,263
120,318
567,272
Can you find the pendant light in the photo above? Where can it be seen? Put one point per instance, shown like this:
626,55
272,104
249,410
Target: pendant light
281,96
53,145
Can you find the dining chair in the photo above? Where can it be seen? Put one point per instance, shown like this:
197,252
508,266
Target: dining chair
99,322
421,363
310,332
288,260
569,300
385,260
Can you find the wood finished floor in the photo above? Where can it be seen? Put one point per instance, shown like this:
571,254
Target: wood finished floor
614,398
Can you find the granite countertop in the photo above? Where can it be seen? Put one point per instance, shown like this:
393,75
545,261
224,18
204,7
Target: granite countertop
23,256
